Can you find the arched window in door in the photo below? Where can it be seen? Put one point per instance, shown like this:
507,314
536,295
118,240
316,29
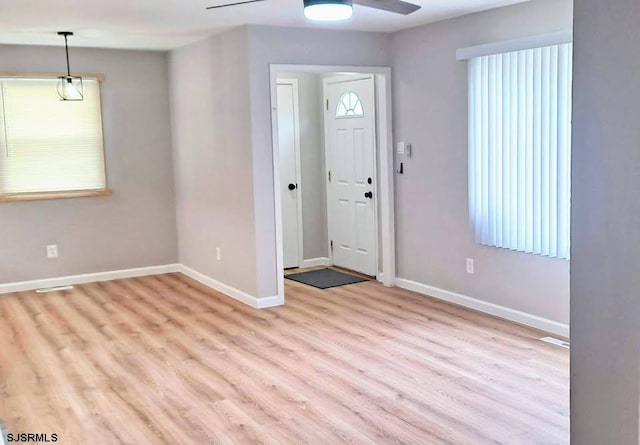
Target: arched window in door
349,105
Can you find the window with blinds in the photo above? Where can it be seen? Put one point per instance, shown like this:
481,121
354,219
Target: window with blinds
520,149
48,145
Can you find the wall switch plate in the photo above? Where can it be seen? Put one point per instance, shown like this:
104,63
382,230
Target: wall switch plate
52,251
218,254
400,148
470,267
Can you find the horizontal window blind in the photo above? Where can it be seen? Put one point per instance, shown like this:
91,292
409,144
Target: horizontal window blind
520,149
49,145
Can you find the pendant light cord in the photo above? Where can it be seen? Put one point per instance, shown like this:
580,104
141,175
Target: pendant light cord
66,49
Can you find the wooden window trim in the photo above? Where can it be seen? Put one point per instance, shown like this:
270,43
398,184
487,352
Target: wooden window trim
55,195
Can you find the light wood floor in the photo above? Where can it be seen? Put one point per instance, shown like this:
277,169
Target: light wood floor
165,360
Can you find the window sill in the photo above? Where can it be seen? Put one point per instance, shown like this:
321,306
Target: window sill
55,195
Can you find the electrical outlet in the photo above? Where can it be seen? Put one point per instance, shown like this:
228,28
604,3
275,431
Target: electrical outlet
52,251
470,269
218,254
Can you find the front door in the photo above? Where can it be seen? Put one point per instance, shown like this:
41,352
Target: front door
351,171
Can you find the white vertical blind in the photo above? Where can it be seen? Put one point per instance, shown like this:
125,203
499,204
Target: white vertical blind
49,145
520,149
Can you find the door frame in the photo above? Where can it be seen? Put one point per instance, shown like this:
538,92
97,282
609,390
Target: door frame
326,116
296,143
384,155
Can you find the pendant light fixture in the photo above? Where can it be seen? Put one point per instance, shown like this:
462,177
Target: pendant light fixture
69,87
328,10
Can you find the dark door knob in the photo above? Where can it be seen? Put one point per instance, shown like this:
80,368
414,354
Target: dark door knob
292,186
368,195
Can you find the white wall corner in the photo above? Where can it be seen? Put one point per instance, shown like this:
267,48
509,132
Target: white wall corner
504,312
87,278
267,302
237,294
315,262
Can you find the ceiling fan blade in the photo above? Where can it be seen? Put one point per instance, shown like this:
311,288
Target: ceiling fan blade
397,6
234,4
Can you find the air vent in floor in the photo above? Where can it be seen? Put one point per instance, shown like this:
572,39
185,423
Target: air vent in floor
53,289
555,341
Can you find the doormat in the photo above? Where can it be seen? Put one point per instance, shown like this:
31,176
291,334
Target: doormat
325,278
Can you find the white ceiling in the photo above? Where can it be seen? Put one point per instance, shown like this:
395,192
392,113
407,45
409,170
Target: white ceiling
167,24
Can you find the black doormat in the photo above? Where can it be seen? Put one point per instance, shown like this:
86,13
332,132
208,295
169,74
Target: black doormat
324,278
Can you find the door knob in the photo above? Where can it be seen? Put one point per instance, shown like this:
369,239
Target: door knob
368,195
293,186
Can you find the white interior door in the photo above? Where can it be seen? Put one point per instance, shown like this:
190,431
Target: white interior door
289,150
351,196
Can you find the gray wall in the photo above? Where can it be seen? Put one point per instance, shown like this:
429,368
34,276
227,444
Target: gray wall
213,160
605,266
312,164
430,111
221,110
136,226
269,45
223,160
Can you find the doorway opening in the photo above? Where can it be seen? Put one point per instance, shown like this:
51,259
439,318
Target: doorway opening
333,181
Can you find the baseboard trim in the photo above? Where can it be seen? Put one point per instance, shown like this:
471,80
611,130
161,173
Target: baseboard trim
315,262
258,303
87,278
267,302
236,294
524,318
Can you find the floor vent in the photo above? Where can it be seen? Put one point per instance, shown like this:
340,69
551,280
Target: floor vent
53,289
555,341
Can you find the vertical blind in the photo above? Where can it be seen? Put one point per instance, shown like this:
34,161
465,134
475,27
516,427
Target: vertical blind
520,149
49,145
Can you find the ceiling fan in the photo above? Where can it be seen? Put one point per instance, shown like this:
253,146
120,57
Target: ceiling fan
340,9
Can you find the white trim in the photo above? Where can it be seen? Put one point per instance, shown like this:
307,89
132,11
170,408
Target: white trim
87,278
524,318
315,262
386,146
258,303
327,167
386,226
237,294
297,150
345,78
538,41
277,197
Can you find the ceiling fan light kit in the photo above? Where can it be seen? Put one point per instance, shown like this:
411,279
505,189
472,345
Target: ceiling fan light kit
69,87
328,10
336,10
